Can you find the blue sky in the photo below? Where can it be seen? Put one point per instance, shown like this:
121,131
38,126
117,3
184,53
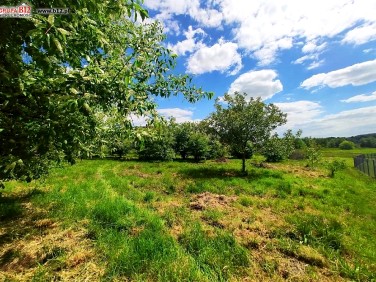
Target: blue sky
316,60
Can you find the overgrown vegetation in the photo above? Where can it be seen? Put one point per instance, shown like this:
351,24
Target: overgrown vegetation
174,221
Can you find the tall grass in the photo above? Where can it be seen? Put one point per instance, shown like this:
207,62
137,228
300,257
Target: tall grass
138,215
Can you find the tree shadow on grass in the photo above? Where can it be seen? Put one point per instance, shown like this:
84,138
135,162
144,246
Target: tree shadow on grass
224,173
14,216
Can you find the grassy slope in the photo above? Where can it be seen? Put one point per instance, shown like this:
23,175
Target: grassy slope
154,222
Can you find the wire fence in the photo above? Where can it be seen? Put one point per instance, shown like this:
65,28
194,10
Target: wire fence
366,164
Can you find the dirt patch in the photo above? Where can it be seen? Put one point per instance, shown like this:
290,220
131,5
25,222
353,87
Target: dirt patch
209,200
137,173
221,160
299,170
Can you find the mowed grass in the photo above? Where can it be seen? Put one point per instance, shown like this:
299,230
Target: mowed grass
177,221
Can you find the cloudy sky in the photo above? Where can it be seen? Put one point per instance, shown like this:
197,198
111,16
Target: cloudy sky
316,60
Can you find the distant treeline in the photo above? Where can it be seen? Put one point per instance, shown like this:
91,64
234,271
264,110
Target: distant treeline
364,141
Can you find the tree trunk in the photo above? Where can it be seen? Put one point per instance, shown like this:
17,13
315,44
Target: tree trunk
243,164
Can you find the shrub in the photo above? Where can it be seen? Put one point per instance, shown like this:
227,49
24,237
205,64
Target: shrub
198,146
347,145
335,166
278,149
159,145
217,150
182,135
156,150
297,155
313,156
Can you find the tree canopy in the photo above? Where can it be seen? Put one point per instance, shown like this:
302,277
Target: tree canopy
55,70
242,122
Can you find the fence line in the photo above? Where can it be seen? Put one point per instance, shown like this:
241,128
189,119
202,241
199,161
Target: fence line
366,164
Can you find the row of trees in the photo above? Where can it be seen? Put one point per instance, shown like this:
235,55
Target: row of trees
239,127
358,141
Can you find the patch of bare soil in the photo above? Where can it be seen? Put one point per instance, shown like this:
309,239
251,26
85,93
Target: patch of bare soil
221,160
299,170
33,246
270,265
254,229
209,200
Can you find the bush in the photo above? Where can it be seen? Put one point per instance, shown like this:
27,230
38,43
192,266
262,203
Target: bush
297,155
347,145
335,166
278,149
159,145
217,150
156,150
313,156
198,146
182,135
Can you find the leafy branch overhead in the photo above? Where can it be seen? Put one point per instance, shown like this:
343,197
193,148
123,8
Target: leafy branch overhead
56,70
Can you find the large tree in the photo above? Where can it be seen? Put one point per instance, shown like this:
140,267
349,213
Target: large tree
55,69
241,121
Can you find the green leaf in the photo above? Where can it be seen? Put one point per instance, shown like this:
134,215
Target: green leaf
10,167
74,91
51,19
58,45
48,40
63,31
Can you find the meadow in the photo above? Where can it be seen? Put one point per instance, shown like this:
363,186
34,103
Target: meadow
109,220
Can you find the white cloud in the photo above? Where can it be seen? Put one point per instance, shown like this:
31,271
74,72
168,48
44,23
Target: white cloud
299,112
263,26
207,16
361,98
267,54
222,57
315,64
369,50
190,44
361,34
169,6
312,47
346,123
313,52
358,74
301,60
263,83
204,13
179,114
306,115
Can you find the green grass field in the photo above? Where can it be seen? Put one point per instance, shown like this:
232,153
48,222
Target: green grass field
176,221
